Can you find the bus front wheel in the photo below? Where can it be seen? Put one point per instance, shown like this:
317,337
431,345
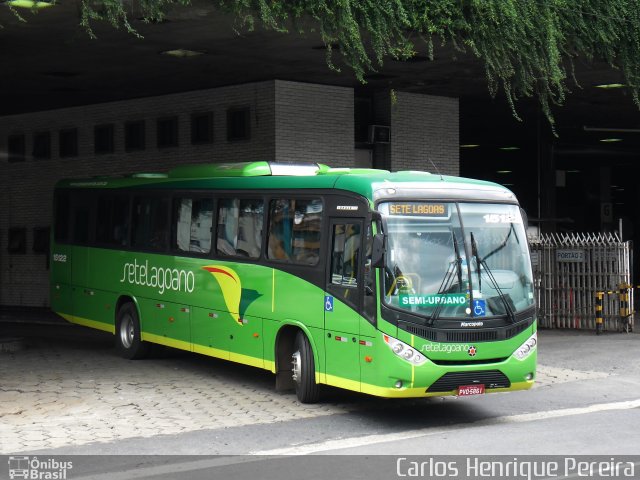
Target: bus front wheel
128,342
304,372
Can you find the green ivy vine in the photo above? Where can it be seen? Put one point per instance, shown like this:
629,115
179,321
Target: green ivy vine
527,47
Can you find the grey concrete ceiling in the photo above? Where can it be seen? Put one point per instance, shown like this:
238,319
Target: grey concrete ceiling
49,61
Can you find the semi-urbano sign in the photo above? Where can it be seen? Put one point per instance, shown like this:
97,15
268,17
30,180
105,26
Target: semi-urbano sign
570,256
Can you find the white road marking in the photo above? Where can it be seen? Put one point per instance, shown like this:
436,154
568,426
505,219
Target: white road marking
406,435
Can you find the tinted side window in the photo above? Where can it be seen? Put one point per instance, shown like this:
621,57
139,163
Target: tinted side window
81,222
112,225
150,223
345,254
61,228
193,218
294,230
240,223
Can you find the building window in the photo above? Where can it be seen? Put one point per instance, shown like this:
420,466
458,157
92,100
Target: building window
167,132
69,142
134,136
41,240
42,145
17,240
238,124
103,138
202,128
16,148
362,118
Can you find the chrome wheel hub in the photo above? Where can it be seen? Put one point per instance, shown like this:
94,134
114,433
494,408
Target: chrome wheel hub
295,362
126,332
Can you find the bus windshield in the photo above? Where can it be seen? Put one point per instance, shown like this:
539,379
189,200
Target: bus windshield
456,260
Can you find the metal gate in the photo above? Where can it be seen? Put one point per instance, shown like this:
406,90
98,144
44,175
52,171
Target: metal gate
570,270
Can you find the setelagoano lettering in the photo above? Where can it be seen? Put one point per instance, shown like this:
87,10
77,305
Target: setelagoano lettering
161,278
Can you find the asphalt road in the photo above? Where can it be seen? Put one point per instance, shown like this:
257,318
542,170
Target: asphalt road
587,402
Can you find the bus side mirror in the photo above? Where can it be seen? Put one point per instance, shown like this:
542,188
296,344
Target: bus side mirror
377,251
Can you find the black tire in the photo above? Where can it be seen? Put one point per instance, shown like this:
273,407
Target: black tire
128,343
304,371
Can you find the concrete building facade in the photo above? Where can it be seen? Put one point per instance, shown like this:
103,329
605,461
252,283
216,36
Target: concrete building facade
273,120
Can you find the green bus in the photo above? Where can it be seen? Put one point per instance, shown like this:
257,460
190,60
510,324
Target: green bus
403,284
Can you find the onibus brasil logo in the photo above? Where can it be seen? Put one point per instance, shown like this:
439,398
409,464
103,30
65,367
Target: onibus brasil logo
38,469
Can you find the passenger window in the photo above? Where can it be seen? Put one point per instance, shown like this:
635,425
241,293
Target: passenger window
150,226
81,222
240,223
113,220
294,231
61,228
193,219
345,254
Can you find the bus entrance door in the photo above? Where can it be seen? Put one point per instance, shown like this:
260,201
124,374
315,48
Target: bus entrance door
343,299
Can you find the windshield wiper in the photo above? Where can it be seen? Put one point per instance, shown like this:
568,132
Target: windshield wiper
474,252
482,262
456,249
454,267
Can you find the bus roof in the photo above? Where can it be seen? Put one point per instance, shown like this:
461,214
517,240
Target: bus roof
371,183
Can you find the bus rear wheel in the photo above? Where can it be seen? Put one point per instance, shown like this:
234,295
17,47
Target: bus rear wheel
128,342
304,372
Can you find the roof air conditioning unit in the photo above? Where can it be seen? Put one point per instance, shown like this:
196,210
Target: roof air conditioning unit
379,134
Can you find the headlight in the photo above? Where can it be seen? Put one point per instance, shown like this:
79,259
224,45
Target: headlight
527,347
404,351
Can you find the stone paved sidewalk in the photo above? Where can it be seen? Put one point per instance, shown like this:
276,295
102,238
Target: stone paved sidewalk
69,387
57,393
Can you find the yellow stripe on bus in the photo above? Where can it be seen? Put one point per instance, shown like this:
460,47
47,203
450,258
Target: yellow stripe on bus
209,351
88,323
179,344
321,377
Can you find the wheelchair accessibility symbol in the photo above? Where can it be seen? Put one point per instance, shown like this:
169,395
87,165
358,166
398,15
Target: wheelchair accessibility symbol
328,304
479,308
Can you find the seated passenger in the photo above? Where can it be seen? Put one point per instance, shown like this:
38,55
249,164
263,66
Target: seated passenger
276,249
225,248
